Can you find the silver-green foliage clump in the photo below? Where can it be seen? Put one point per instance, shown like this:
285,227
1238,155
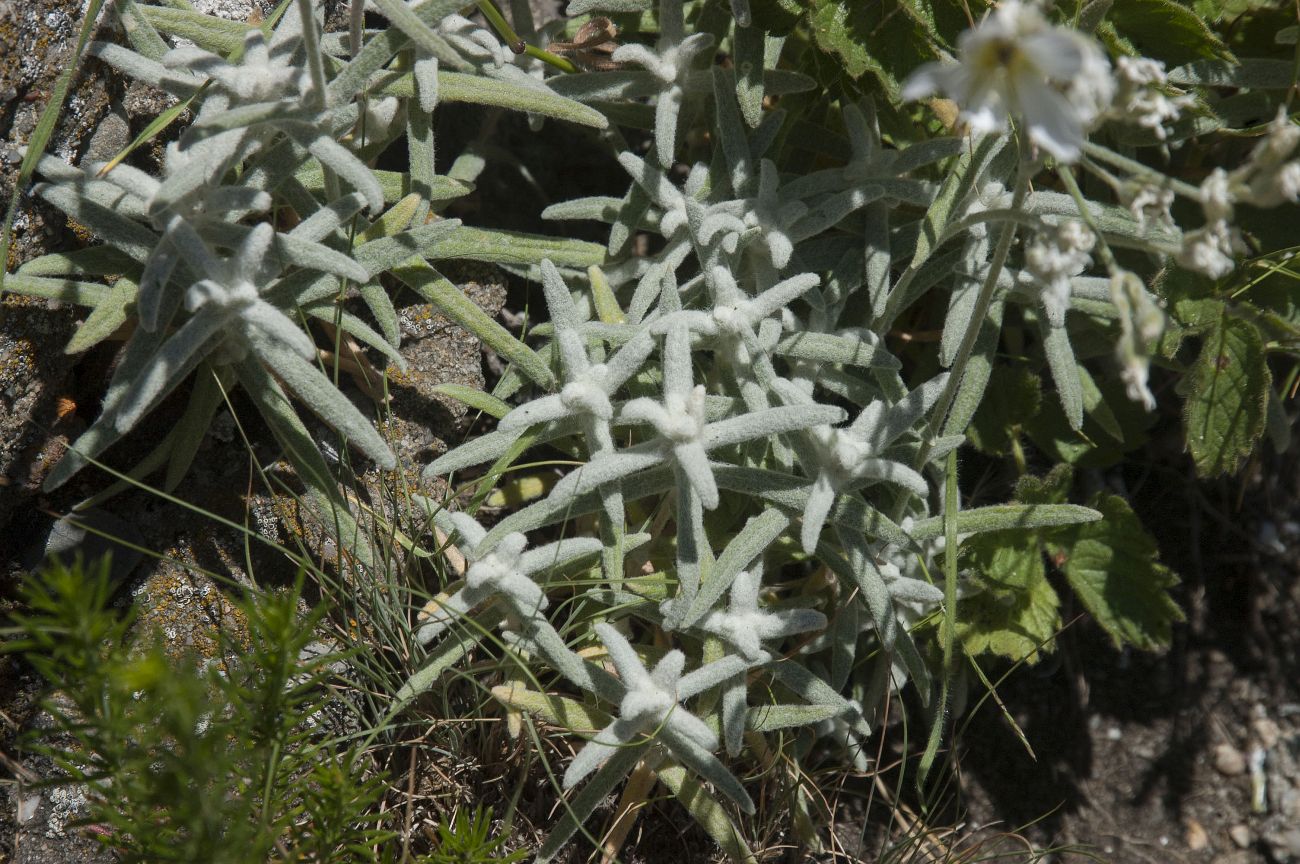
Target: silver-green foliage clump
760,536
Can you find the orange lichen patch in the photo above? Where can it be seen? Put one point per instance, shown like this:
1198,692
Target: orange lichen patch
82,233
398,377
189,612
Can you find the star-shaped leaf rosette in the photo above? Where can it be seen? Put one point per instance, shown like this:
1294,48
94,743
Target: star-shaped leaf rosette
684,437
230,320
651,708
504,569
848,458
671,62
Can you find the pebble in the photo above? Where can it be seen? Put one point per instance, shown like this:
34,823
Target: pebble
1266,732
1196,838
1229,761
1240,835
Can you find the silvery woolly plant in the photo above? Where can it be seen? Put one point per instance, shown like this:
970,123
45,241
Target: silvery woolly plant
761,537
266,230
740,340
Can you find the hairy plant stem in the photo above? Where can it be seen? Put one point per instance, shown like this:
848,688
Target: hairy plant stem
982,303
1103,248
1110,157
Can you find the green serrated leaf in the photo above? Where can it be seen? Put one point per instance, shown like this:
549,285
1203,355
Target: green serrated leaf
776,16
1226,408
1014,612
852,31
1112,567
1167,31
1251,73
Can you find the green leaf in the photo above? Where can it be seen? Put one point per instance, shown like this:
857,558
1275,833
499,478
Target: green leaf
1052,488
557,710
45,125
461,87
1219,10
1251,73
475,399
205,397
452,302
1013,398
775,16
1167,30
514,247
881,38
769,718
1095,445
1226,408
217,35
395,184
1003,517
1015,610
1112,566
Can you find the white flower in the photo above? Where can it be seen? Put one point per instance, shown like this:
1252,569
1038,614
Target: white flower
506,567
1150,205
1211,250
1054,258
1142,99
1141,322
1056,80
652,703
1274,176
670,62
1216,196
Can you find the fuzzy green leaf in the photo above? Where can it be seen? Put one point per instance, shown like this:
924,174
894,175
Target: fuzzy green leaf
1111,564
109,314
1225,412
452,302
475,399
477,90
557,710
1167,30
769,718
514,247
1003,517
395,184
218,35
1015,610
